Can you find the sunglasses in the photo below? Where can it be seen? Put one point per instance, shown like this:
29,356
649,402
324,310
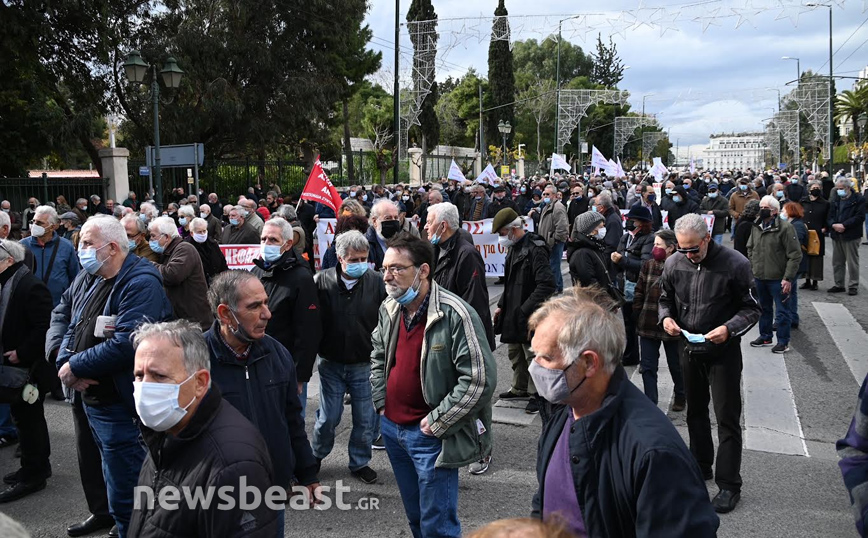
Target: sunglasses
693,250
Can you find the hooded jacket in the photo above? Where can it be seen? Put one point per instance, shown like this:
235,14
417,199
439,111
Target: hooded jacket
458,372
294,304
632,473
264,389
136,297
529,282
216,449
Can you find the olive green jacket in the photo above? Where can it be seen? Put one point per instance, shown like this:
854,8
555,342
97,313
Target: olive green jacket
774,253
458,372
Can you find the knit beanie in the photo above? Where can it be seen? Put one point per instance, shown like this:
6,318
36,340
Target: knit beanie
587,221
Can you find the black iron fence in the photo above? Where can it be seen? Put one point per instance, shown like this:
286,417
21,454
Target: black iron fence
17,190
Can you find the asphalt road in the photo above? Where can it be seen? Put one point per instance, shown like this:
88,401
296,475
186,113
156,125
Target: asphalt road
784,496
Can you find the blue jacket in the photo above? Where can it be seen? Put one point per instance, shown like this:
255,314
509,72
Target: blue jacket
265,390
633,474
137,297
65,267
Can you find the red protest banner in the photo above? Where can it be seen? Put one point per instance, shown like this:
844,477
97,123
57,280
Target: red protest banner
319,189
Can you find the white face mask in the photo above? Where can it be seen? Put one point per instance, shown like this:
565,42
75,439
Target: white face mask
601,234
157,404
201,238
37,230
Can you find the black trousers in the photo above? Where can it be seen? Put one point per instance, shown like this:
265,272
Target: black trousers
723,377
631,352
33,436
89,462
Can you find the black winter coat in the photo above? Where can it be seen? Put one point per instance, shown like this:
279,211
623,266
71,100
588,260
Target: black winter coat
375,250
587,266
632,473
496,205
27,319
216,448
816,217
461,270
850,212
529,282
743,229
576,208
638,251
264,389
680,209
348,316
294,304
213,260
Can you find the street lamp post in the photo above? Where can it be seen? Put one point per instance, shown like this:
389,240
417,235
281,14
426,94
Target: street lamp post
641,149
798,67
136,68
505,128
831,97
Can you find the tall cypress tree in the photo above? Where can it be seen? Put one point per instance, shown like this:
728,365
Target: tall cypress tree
501,78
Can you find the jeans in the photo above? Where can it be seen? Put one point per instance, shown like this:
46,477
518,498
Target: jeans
7,429
718,238
555,258
650,351
429,493
303,398
335,379
520,356
122,450
794,304
771,300
724,377
281,523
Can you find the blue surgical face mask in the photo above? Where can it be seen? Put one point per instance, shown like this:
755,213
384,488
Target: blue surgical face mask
523,190
669,191
356,270
712,194
89,259
435,238
410,295
271,253
780,195
547,200
143,217
676,198
842,193
182,221
233,222
594,208
132,244
155,246
743,187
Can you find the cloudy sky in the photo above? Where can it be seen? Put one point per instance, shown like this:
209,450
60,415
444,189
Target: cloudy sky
702,76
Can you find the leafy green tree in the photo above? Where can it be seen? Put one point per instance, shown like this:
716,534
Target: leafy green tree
501,75
536,61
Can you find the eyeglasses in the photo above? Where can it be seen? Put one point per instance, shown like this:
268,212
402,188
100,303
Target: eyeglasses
395,270
576,193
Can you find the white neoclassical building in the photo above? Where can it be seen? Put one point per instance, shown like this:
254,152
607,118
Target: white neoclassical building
731,151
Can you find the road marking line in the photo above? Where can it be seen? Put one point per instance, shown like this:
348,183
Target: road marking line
771,421
848,335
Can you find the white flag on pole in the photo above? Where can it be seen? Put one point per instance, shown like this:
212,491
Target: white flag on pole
597,159
558,163
611,168
455,172
659,169
621,172
692,166
488,175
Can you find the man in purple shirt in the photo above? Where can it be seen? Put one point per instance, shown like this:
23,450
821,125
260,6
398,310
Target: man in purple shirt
609,463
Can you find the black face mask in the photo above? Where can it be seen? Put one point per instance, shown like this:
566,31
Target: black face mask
389,228
765,213
631,225
816,193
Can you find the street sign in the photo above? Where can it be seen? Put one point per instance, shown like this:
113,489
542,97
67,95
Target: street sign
177,156
504,171
584,147
144,171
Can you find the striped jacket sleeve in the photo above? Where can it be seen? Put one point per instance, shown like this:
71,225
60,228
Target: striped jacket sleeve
853,451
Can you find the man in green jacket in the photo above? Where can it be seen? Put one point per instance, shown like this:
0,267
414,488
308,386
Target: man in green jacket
775,254
433,376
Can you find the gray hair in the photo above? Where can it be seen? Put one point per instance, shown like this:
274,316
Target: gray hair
517,223
241,210
604,198
141,227
5,221
351,240
692,224
433,195
287,212
198,221
377,208
164,225
446,212
187,211
94,198
109,230
11,248
224,289
49,212
203,207
149,210
285,227
180,333
841,180
79,201
772,202
119,210
591,321
814,183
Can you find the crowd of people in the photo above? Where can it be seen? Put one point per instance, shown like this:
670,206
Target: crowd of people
182,372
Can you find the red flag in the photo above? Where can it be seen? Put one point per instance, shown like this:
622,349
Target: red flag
320,189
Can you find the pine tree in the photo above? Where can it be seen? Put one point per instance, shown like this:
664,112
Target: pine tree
501,78
608,67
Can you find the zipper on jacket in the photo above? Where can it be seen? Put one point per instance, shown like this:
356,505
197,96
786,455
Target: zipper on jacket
246,373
